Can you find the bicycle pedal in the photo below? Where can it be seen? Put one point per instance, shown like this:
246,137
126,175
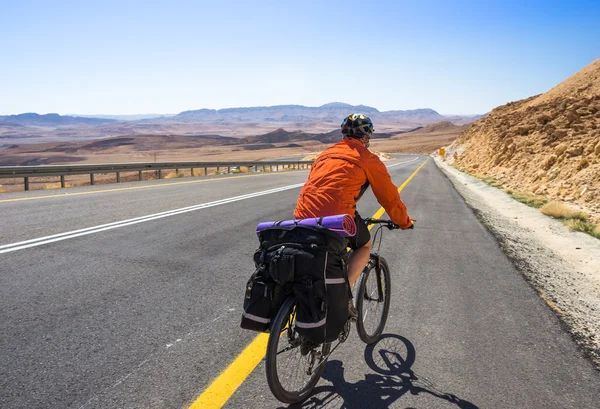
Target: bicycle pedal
352,312
345,332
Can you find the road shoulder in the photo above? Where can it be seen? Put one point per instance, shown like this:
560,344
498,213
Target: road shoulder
563,266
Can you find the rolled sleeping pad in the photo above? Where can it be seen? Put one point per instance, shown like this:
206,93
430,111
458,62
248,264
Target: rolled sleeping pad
342,224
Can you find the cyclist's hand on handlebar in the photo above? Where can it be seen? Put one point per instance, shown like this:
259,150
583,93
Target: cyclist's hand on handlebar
412,225
392,226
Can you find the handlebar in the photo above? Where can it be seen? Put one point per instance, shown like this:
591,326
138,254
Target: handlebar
388,223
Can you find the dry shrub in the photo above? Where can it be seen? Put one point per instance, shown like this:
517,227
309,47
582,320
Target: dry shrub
198,172
560,210
173,175
149,175
56,185
585,227
2,189
527,198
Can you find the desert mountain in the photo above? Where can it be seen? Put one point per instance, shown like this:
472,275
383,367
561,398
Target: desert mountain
548,144
50,120
442,126
333,112
133,117
307,122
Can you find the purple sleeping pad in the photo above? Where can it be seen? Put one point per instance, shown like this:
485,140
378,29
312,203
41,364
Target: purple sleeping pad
342,224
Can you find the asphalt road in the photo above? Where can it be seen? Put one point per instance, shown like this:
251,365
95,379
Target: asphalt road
144,311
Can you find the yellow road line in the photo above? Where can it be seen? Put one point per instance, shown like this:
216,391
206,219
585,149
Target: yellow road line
137,187
381,211
225,385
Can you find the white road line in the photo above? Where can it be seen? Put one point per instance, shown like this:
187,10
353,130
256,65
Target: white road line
7,248
402,163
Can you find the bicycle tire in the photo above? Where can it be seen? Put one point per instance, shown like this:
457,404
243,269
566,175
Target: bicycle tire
363,333
273,377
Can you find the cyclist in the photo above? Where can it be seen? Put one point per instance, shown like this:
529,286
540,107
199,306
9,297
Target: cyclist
339,177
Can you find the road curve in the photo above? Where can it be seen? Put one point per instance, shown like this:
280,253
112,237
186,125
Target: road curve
146,314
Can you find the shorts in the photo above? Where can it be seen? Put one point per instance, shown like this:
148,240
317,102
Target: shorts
362,236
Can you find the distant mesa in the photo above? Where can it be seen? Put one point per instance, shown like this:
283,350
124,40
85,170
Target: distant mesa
303,123
353,108
49,120
133,117
334,111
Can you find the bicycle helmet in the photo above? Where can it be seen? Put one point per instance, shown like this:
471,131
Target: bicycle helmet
357,126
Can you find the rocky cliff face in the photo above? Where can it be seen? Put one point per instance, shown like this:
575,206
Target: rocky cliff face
547,144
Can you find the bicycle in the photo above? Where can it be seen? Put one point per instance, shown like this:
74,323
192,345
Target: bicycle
308,361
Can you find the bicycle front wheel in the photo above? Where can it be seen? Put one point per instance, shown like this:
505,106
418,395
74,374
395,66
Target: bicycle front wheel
293,366
373,302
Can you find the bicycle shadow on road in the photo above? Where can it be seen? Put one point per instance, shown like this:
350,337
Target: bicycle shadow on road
391,358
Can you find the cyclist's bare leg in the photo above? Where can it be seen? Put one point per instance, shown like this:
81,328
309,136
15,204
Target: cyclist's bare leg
357,262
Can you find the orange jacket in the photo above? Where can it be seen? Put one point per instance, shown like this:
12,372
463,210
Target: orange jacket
339,177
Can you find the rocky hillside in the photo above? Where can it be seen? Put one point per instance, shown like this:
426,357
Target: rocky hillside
547,144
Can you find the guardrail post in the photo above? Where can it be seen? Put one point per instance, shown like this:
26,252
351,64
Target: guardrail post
139,175
118,177
205,171
160,173
62,181
91,179
217,170
228,169
176,170
277,168
192,172
26,183
271,167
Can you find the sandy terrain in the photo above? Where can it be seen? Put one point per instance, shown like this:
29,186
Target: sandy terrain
424,140
179,148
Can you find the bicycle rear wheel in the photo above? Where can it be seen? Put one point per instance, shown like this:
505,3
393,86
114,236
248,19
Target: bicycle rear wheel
372,304
293,366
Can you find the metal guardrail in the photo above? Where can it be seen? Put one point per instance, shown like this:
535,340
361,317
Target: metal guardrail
27,172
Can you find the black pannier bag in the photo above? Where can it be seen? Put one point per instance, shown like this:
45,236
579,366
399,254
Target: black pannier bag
262,300
309,261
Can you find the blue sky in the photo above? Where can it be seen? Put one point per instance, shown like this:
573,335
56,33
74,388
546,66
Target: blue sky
128,57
